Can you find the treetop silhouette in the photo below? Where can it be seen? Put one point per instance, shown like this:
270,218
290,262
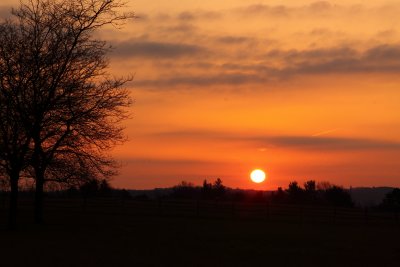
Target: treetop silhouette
60,109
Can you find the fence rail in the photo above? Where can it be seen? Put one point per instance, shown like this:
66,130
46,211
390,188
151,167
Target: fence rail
302,214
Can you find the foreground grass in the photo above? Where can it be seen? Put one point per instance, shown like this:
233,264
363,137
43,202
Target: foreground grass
114,237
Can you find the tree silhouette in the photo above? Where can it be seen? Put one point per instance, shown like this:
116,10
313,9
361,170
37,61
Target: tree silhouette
392,200
310,191
206,189
95,187
218,188
280,195
337,196
14,141
184,190
295,192
310,186
62,98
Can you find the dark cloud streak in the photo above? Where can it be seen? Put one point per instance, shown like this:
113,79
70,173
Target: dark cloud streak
325,143
313,143
152,49
384,59
203,80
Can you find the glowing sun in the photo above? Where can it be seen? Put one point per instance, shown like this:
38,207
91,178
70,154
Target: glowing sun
257,176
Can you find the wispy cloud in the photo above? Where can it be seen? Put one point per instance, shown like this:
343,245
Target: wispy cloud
317,9
277,64
231,39
316,142
154,49
202,80
326,132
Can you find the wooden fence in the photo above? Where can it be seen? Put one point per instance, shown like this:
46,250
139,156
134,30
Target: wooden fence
299,214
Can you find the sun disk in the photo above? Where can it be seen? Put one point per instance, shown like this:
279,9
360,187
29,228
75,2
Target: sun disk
257,176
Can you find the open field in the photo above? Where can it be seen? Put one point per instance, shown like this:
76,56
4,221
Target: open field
132,233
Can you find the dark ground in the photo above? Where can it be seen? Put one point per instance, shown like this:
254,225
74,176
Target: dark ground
118,236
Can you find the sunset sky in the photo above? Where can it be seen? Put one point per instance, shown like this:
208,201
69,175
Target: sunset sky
302,89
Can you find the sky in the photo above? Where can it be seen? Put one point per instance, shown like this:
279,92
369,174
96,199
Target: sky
302,89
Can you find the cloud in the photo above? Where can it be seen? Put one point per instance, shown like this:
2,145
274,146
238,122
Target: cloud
275,66
186,16
383,53
315,8
260,9
185,28
324,143
321,10
229,39
320,6
166,162
203,80
338,60
379,59
141,17
153,49
319,54
199,14
313,143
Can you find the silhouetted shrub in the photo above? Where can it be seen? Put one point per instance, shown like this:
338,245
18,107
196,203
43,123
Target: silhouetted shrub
72,191
338,197
124,194
310,191
95,187
206,190
185,190
218,188
391,202
310,186
279,196
324,185
295,192
105,188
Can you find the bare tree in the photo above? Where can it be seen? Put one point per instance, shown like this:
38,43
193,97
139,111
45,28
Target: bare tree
68,105
14,142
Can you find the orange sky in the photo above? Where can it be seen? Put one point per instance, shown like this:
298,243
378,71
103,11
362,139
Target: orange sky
302,89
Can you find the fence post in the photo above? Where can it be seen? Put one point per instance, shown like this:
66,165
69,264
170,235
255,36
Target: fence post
3,199
84,203
301,215
197,208
159,206
366,215
267,210
233,209
334,214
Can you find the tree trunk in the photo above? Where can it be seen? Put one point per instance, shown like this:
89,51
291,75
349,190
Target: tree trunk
13,207
39,197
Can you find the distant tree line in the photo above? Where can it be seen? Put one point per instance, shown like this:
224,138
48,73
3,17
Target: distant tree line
187,190
311,193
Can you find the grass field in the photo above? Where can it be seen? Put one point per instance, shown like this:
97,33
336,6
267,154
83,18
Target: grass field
123,234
